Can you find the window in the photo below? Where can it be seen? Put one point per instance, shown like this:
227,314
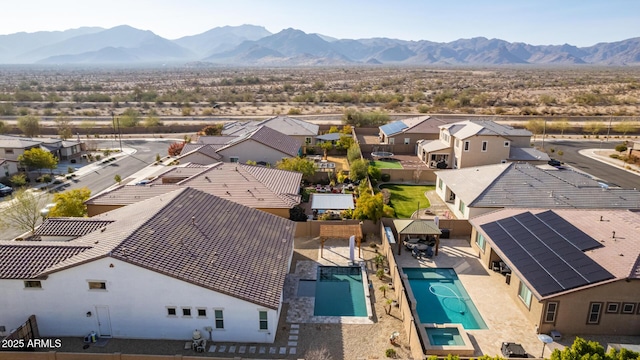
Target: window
234,159
186,311
613,307
307,140
480,241
461,207
407,141
484,146
466,146
506,144
524,294
8,151
97,285
457,142
33,284
219,319
264,323
202,312
392,141
550,313
171,311
440,182
628,308
594,313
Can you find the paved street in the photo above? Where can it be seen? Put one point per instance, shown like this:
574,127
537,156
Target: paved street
600,170
103,177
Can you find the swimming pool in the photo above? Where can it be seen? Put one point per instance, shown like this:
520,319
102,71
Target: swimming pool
339,291
441,298
444,336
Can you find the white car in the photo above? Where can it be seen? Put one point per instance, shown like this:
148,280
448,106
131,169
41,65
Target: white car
45,210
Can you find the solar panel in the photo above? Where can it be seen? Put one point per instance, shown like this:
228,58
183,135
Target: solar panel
393,128
549,260
574,235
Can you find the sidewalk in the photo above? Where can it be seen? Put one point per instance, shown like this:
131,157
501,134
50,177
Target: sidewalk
603,156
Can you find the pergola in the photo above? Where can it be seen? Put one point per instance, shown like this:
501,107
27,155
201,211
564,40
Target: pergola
417,227
340,232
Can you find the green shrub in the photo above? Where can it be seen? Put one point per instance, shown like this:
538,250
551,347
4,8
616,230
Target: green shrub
390,353
385,177
614,156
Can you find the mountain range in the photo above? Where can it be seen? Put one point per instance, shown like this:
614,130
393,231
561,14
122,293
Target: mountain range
250,45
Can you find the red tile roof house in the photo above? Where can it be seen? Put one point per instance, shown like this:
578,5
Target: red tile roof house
157,269
271,190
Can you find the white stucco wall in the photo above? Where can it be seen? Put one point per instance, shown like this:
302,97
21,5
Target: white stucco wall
252,150
137,301
198,158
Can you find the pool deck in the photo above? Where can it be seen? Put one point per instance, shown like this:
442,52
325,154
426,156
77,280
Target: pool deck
505,321
301,308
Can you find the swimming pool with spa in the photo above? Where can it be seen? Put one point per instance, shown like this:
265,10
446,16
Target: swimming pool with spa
339,291
441,298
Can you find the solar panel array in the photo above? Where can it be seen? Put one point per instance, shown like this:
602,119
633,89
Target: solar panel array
393,128
547,251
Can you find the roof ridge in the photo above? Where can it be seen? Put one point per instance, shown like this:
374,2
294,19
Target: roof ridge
493,182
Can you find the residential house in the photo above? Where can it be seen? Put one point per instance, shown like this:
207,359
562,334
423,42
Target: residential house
199,154
571,271
473,191
268,189
411,130
262,145
474,143
8,168
157,269
300,130
11,147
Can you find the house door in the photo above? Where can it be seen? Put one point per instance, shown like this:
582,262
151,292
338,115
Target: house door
104,321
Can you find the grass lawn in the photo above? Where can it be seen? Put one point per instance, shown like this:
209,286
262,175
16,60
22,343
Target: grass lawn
385,164
404,198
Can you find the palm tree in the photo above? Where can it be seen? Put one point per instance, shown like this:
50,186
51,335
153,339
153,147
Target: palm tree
384,289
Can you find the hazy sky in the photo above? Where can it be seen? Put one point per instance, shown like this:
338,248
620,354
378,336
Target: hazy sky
538,22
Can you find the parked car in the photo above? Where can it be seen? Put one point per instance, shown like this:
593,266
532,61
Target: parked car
554,162
143,182
5,190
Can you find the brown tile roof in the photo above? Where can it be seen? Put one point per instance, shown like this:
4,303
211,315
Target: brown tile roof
69,226
207,150
126,195
25,260
271,138
252,186
201,239
215,140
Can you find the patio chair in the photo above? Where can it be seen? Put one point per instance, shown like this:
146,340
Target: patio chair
504,269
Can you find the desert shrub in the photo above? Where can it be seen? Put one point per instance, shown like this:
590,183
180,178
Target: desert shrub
294,111
385,177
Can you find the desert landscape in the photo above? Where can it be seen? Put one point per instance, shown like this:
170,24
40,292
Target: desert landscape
191,92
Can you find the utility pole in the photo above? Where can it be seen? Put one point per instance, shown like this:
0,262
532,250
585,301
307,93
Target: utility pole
609,128
113,121
544,132
120,134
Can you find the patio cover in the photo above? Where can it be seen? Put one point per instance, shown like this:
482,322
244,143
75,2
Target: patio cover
416,227
341,231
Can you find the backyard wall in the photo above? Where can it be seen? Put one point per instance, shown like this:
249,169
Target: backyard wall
411,175
311,228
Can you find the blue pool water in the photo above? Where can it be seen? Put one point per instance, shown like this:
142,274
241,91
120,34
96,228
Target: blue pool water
441,298
339,292
444,336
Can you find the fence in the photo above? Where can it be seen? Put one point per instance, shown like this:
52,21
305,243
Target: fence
406,175
311,228
27,331
404,303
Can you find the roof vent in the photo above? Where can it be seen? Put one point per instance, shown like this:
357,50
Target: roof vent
103,229
193,220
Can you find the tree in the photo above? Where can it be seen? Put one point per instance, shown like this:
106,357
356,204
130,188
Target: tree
368,207
212,130
345,142
152,120
561,125
353,153
347,129
326,147
71,203
18,180
384,289
3,127
594,127
38,158
64,126
536,126
374,173
297,213
130,118
298,164
624,127
24,211
591,350
175,148
29,125
359,169
333,129
117,178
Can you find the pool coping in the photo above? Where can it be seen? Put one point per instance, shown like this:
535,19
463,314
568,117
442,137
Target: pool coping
443,350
